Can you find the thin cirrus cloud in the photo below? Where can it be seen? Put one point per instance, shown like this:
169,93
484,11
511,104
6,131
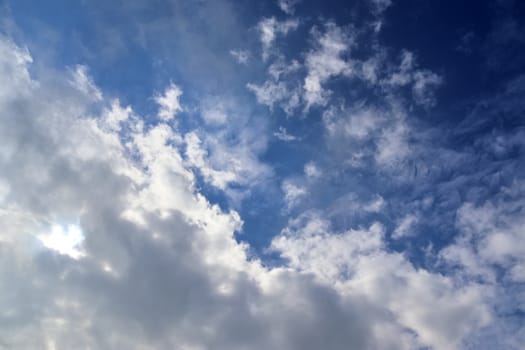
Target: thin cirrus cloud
329,194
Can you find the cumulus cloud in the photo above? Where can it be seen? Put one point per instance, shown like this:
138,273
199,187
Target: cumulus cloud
356,264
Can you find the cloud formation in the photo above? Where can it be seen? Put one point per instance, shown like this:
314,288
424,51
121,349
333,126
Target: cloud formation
149,232
317,197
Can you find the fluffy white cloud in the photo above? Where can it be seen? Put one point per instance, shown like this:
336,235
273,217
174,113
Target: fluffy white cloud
293,193
199,158
438,312
326,61
169,104
492,235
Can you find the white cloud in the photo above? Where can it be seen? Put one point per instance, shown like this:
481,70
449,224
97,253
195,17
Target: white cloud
283,135
492,235
270,92
169,104
277,89
82,81
288,6
311,170
293,193
270,28
375,205
405,226
66,241
117,115
392,146
355,263
199,158
241,56
326,61
362,127
214,111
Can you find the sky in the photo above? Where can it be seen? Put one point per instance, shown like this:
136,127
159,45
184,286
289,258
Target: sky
284,174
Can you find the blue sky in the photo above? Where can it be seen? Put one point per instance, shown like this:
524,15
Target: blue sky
285,174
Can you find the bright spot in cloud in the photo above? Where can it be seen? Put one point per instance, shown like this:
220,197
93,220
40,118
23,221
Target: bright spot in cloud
65,240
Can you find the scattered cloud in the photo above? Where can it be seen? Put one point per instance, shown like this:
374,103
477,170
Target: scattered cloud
270,28
326,61
311,170
169,104
405,226
122,231
292,193
241,56
288,6
283,135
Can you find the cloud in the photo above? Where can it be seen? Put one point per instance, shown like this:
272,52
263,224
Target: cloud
491,236
325,61
355,263
241,56
380,5
288,6
214,111
270,28
405,226
169,104
375,205
199,158
277,89
311,170
423,82
293,193
82,81
108,240
370,133
283,135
